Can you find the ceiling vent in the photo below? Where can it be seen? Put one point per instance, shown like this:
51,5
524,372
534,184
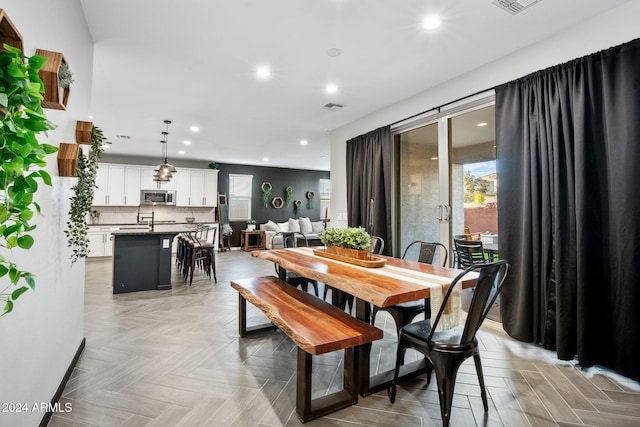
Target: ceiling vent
332,106
514,7
123,137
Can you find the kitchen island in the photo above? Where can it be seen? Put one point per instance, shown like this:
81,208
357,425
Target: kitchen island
142,257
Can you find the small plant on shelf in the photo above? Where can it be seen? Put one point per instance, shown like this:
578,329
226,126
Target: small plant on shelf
310,196
350,238
65,76
288,192
266,192
251,224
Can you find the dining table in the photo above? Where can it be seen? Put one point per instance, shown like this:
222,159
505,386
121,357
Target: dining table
397,281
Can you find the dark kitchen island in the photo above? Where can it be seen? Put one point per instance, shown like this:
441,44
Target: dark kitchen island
142,258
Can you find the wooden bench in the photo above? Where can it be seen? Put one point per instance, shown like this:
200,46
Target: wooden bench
316,327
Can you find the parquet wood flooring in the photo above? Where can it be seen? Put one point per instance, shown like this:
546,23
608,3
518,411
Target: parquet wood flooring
174,358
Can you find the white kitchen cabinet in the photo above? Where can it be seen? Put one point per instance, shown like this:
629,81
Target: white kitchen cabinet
132,186
100,243
110,181
197,188
147,182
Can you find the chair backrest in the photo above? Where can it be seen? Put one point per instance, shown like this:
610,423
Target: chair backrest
289,239
468,252
427,251
377,245
484,296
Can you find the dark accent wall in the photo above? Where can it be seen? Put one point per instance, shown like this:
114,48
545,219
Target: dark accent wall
300,180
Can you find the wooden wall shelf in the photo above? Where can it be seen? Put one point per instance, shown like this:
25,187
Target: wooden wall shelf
68,159
83,132
54,96
9,34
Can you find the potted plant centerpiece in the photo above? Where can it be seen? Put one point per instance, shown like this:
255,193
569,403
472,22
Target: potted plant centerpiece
251,225
352,242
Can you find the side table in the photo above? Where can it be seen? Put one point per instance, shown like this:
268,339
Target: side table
249,243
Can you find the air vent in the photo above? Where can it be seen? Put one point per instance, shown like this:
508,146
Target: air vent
514,7
123,137
332,106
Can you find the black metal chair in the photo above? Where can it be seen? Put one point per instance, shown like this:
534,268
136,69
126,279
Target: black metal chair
293,240
343,299
404,313
468,253
445,351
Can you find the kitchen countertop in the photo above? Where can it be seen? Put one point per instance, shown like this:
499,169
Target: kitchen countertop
158,229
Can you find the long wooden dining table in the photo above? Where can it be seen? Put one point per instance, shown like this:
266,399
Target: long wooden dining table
398,281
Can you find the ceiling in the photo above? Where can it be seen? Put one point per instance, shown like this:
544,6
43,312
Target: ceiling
194,62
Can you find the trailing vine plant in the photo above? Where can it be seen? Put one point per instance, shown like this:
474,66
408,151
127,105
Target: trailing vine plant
288,193
266,192
22,159
83,199
310,196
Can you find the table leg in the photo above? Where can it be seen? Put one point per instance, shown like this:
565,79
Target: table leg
363,312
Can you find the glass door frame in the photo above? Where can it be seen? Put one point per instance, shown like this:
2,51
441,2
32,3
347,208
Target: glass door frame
442,116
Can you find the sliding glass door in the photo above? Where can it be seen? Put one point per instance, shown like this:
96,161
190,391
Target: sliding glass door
446,178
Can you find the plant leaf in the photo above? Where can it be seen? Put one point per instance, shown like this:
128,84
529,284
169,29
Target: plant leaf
25,242
15,294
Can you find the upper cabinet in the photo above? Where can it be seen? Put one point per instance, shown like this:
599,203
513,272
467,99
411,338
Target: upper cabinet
120,185
196,187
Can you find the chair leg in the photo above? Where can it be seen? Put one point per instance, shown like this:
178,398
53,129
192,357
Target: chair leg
446,371
213,264
483,390
394,384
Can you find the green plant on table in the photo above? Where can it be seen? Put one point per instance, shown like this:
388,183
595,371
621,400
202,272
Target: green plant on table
351,238
83,199
22,158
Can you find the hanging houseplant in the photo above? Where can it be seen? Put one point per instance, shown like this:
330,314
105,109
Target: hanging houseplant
22,158
288,192
266,192
310,196
297,205
83,199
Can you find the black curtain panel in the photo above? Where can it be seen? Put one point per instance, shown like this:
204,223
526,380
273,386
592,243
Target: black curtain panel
568,149
369,168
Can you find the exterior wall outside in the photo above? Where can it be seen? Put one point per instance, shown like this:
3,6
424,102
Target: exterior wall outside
42,335
606,30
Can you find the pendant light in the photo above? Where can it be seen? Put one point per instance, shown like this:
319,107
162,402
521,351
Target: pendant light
164,171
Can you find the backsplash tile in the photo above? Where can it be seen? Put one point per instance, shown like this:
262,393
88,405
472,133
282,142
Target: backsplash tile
128,214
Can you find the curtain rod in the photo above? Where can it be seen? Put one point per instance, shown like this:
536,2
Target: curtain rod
440,106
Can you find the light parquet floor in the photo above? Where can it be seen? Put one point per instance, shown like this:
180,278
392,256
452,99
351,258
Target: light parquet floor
174,358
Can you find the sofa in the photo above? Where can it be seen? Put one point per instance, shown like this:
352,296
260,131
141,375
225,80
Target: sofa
310,229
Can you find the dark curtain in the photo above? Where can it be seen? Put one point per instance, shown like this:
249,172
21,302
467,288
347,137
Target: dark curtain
369,168
568,148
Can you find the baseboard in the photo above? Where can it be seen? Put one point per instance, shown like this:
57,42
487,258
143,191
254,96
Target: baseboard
56,397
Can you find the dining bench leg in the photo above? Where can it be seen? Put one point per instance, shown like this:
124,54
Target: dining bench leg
307,408
243,330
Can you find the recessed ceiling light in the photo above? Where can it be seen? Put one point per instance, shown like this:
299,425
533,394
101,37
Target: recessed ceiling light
431,22
186,142
331,88
91,117
303,142
482,124
181,152
265,159
263,72
333,52
194,129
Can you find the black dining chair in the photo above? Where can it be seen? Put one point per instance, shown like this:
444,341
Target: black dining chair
445,351
404,313
293,240
468,253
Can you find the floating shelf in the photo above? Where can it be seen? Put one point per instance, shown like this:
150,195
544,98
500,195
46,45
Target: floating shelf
68,159
83,132
9,34
54,96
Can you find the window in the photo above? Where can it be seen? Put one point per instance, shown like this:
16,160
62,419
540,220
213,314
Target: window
240,197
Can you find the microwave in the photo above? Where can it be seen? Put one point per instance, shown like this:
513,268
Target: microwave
158,197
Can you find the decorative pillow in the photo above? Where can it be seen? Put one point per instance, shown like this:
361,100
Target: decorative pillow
305,225
294,226
284,226
317,227
271,226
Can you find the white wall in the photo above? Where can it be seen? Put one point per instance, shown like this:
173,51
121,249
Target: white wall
615,27
41,336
